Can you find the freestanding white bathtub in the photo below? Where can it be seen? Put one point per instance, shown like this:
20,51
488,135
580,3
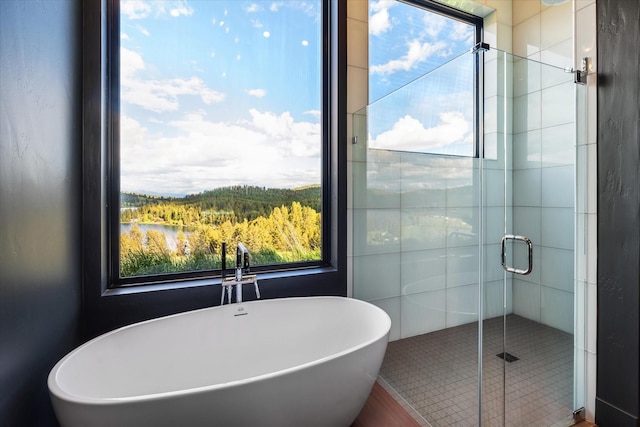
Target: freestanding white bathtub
284,362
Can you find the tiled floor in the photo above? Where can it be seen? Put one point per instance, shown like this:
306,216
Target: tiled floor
437,374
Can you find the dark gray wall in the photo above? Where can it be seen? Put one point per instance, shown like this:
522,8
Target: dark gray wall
39,201
618,381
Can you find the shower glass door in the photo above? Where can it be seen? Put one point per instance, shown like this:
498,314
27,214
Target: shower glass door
472,344
528,176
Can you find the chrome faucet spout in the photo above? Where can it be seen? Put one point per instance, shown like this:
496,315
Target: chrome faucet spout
241,277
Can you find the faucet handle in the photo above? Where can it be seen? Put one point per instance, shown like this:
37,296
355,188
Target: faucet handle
255,283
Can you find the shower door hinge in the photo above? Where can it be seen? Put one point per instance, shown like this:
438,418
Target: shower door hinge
480,47
581,75
578,415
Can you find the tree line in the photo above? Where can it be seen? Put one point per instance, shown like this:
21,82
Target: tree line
287,233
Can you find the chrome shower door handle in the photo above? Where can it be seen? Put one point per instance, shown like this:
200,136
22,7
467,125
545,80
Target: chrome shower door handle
503,256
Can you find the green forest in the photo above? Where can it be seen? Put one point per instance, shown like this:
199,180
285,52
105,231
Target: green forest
276,226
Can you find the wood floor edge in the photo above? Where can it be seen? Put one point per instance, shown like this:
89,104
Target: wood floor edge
382,410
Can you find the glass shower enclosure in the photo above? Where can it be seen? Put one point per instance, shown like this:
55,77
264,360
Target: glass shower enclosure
463,213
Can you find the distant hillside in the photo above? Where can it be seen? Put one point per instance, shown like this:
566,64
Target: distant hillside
254,200
138,199
238,202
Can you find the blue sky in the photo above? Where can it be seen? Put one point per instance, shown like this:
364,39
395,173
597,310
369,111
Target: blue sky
217,93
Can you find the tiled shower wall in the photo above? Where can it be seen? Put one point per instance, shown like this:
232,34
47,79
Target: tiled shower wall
529,29
544,160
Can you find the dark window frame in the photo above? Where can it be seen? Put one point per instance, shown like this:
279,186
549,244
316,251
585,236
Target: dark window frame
113,166
106,306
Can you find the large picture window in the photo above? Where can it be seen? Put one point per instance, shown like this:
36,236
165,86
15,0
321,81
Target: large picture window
218,135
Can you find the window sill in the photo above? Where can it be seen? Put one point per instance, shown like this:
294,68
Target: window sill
269,276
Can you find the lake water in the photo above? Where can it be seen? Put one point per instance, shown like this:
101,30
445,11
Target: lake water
170,231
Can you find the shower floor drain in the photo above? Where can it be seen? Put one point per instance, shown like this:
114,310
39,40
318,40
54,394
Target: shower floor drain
508,357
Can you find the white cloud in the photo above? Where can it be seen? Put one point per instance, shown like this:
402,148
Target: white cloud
141,9
135,9
271,150
379,21
159,94
305,43
124,36
181,8
434,24
252,8
315,113
417,52
462,32
143,30
266,34
409,134
258,93
276,5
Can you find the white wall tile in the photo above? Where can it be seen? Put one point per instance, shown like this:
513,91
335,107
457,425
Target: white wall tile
557,227
493,192
527,112
558,145
590,403
376,185
527,222
557,268
424,228
526,299
591,314
462,305
422,313
376,231
561,56
592,248
462,226
376,276
527,76
558,104
558,187
423,271
462,266
557,309
492,263
527,148
494,219
527,189
494,300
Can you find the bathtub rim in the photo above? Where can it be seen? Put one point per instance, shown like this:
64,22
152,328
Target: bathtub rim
56,391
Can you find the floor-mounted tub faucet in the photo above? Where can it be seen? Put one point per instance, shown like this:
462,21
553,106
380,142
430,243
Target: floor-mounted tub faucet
241,275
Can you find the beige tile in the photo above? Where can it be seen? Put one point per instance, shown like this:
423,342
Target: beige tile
580,4
526,37
586,31
357,41
556,25
358,9
524,9
357,88
503,9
